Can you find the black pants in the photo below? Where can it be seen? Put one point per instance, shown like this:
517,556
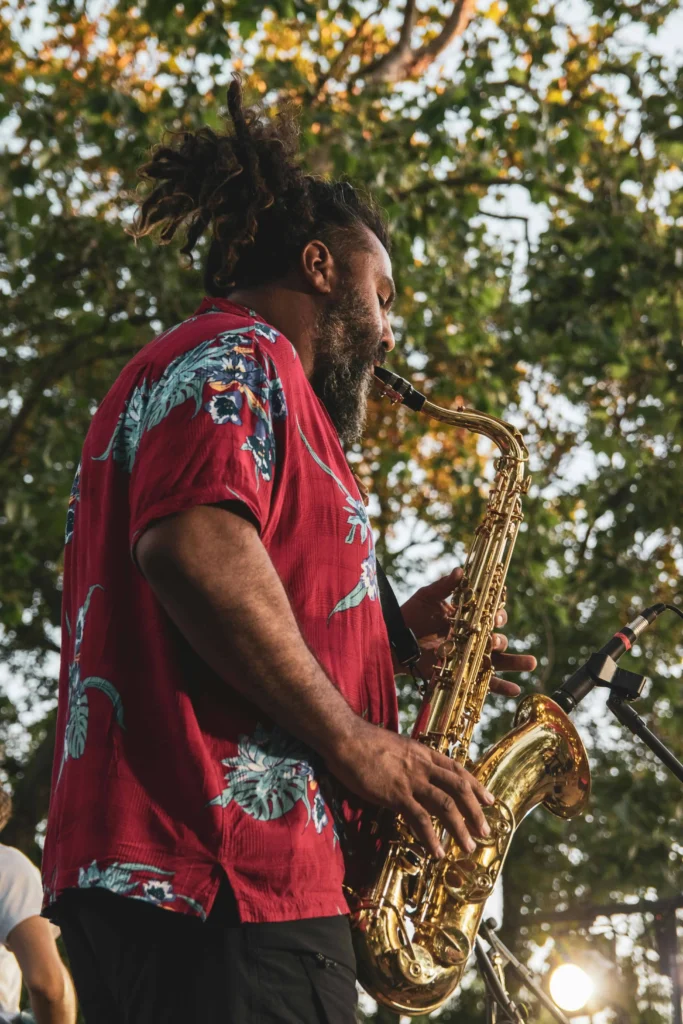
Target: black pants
134,963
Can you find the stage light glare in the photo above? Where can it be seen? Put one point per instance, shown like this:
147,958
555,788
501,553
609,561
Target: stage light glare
570,987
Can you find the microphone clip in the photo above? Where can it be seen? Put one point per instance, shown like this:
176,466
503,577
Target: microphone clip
604,671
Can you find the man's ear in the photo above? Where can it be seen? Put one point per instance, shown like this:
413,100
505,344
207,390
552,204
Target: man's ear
318,267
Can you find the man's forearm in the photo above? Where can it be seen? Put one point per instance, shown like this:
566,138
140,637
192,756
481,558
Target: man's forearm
51,1009
216,581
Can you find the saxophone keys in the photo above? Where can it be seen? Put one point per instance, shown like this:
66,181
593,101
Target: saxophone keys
416,965
411,861
451,946
469,882
500,821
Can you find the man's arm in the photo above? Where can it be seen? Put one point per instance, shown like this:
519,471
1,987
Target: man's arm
216,581
49,986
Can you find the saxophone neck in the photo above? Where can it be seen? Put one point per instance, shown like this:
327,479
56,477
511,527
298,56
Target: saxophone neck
505,436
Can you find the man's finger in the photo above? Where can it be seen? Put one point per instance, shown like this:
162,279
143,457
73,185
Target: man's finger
444,761
513,662
443,588
461,788
499,642
504,687
420,825
441,805
501,617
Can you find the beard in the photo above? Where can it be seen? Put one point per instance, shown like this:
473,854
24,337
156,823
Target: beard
347,348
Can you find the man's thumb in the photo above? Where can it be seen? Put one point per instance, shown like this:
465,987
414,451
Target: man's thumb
443,588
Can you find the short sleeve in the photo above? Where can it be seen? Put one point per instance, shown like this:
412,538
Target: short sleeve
203,432
21,894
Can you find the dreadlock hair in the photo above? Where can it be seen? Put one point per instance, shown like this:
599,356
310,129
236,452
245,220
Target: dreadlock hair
245,186
5,807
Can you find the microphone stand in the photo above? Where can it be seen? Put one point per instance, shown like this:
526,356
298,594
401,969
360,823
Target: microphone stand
629,717
492,965
626,687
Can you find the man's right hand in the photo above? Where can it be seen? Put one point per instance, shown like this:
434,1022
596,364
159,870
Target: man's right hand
415,781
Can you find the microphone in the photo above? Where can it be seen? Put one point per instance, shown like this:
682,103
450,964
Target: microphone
601,667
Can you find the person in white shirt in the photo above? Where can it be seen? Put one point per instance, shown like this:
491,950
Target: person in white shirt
27,941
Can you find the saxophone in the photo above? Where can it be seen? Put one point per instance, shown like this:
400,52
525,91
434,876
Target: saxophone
414,923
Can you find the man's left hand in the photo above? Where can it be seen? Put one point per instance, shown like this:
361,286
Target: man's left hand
427,614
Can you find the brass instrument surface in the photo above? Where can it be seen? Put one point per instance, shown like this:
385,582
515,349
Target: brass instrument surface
414,925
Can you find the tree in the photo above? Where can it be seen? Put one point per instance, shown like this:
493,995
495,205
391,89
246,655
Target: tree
468,124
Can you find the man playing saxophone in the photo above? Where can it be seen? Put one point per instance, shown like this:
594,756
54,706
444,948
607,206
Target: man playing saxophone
224,647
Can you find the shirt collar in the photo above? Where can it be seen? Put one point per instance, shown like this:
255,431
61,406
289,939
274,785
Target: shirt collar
213,305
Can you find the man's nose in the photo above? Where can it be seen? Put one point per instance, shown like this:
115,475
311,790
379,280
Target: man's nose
388,339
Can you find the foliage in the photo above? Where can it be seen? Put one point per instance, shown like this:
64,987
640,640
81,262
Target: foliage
462,121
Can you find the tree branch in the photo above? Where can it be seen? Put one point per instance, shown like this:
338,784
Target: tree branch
455,26
54,370
402,61
477,178
341,60
383,69
40,382
511,216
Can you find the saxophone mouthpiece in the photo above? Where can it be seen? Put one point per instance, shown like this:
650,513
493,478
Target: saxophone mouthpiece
398,389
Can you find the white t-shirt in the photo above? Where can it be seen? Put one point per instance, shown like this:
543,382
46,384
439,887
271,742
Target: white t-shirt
21,897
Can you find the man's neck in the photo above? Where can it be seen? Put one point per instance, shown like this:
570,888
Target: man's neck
289,310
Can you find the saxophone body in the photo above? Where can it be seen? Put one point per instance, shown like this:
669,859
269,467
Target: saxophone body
415,921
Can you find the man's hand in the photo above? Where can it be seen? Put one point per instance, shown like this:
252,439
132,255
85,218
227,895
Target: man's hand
426,613
396,772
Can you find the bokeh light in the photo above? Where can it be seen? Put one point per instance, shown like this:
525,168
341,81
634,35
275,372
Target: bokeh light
570,987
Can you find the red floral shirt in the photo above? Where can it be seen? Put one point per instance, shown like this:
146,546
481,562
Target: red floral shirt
164,776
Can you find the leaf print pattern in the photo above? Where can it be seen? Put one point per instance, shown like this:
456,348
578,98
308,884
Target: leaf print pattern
76,731
366,587
229,365
120,878
128,431
270,773
265,330
71,511
261,444
358,517
268,332
357,520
